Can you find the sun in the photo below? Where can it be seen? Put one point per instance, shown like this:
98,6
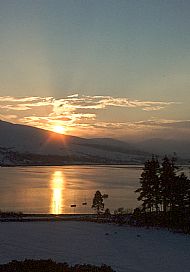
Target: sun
59,129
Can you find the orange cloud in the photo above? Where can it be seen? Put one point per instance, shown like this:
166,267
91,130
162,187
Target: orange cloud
79,114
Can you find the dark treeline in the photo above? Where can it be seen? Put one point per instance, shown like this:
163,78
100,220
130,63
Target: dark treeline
165,196
51,266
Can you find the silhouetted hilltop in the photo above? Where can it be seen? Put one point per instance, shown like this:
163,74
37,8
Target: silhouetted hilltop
20,144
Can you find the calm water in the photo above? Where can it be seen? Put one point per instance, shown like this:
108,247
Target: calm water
55,189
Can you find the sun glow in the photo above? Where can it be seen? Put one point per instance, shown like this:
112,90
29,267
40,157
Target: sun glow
59,129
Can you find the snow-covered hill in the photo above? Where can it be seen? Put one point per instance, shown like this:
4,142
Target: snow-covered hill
20,144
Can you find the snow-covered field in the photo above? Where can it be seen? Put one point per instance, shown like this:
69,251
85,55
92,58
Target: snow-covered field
126,249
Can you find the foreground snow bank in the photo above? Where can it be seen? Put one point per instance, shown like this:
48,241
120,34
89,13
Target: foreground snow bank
125,249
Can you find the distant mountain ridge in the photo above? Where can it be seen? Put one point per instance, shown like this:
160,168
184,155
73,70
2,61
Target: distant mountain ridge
25,145
162,147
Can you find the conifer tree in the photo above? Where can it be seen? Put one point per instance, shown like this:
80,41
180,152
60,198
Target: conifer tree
150,187
98,202
181,193
167,183
162,189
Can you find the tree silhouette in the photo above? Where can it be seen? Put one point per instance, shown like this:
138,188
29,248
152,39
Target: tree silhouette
165,195
98,202
180,193
167,182
150,185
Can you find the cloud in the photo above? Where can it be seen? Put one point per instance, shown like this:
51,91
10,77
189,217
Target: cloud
22,99
25,103
103,102
165,123
77,113
8,117
155,108
18,107
74,102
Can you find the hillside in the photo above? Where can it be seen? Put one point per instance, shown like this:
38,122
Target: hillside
25,145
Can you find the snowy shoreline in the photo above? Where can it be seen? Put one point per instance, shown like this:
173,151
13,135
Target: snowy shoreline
48,217
125,249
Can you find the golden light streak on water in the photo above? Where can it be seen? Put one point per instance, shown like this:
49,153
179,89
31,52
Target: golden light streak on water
57,183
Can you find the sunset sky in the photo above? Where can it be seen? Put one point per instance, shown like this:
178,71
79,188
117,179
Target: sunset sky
97,68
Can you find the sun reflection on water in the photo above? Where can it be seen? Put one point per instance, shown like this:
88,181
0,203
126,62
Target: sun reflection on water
57,185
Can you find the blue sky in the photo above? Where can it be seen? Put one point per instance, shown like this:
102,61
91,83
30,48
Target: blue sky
137,50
